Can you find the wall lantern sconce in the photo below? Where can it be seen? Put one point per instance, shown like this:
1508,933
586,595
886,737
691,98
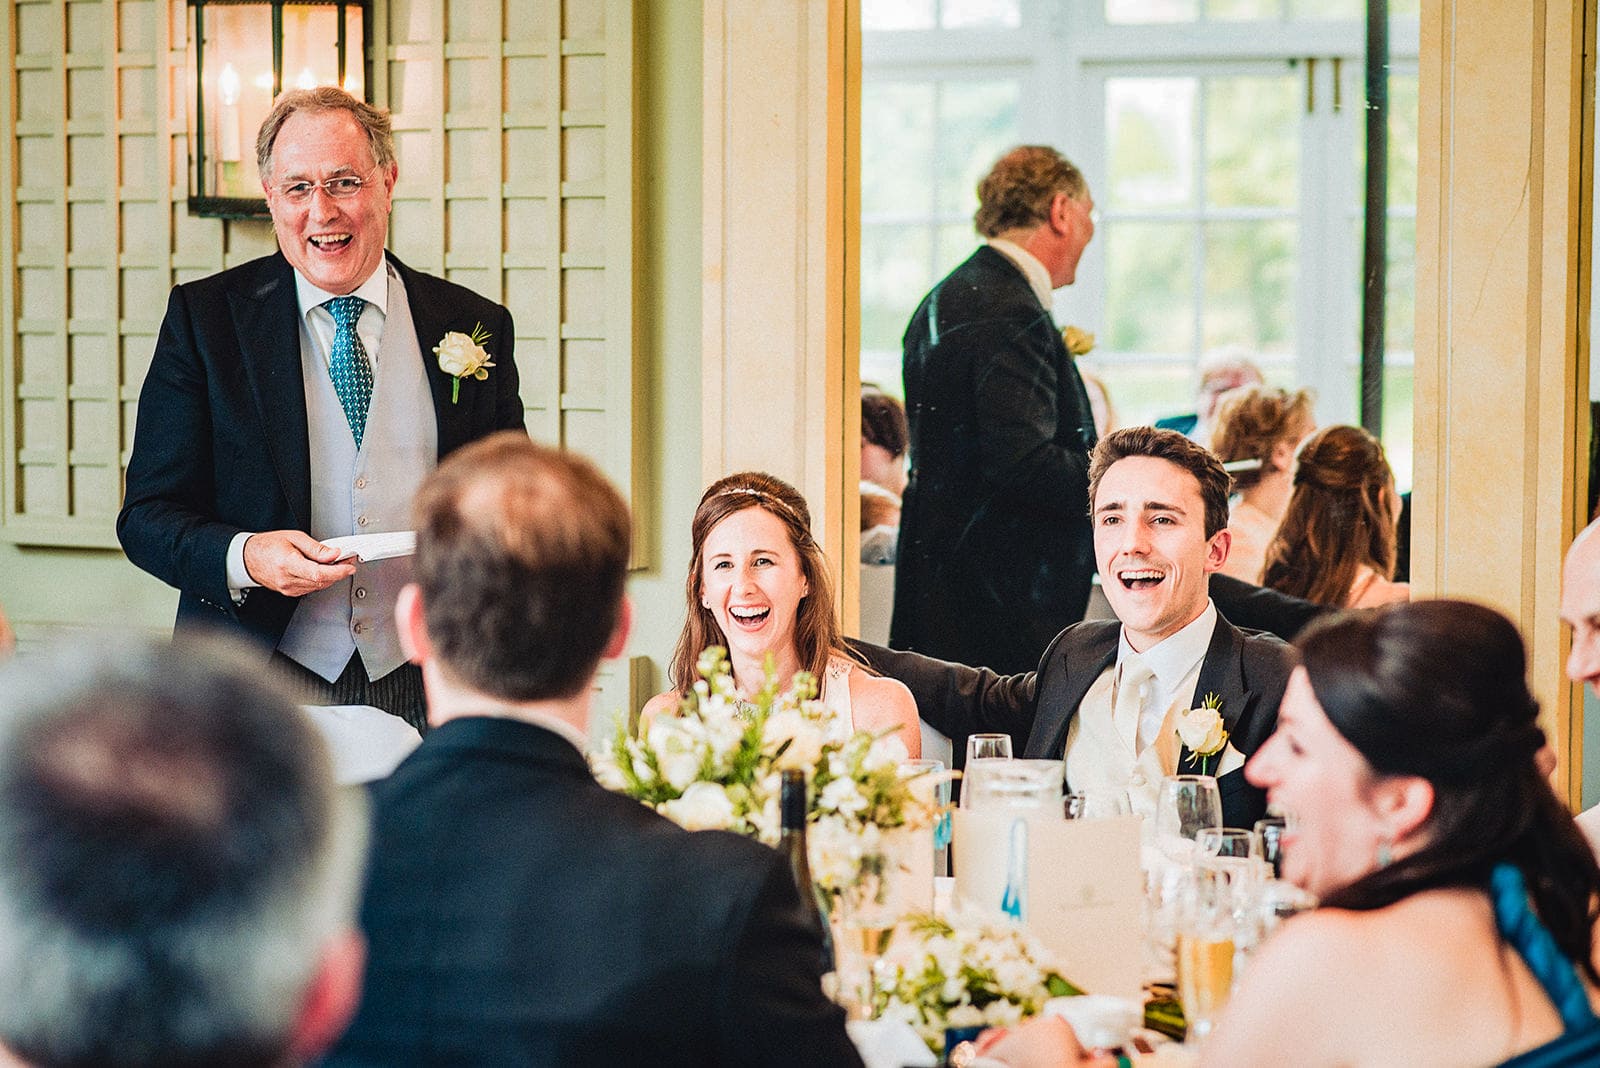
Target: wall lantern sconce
242,54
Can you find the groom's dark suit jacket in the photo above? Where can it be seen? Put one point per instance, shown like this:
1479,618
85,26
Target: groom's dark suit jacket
221,441
1247,671
519,914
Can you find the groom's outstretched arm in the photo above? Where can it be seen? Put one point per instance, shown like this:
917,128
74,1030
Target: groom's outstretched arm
956,699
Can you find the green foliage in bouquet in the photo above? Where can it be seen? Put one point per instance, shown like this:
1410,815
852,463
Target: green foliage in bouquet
964,972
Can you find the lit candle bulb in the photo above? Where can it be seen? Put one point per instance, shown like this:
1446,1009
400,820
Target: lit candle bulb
307,80
228,121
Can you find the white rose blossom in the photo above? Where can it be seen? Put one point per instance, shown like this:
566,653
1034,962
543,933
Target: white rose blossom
463,356
804,736
1201,730
704,806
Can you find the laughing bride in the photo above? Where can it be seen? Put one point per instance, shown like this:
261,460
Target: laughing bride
758,585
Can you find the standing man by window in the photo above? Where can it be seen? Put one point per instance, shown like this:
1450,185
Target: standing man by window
995,553
297,398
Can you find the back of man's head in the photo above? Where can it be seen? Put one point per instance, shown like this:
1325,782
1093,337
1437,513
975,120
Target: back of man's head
176,863
522,555
1018,191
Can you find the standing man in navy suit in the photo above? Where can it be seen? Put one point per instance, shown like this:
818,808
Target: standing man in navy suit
994,555
298,398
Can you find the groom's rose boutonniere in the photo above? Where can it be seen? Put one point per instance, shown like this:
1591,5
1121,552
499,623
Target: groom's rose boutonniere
1201,731
462,356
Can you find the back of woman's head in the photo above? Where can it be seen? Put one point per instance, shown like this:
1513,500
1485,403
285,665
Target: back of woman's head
1341,517
1252,421
816,630
1437,690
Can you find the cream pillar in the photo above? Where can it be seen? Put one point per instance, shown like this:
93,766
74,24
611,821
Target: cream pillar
1501,297
779,209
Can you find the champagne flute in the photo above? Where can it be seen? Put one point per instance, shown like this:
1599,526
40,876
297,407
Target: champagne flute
984,747
1187,805
1207,933
928,778
868,909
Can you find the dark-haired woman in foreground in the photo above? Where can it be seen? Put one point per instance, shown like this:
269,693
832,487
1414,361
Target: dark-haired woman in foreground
1458,899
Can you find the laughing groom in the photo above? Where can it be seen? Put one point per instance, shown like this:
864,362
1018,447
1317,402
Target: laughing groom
298,398
1109,696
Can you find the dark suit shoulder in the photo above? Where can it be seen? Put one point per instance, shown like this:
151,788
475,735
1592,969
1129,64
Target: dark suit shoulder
259,275
1091,634
1266,656
985,287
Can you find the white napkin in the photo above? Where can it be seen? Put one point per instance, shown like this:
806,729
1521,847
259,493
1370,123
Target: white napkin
890,1044
366,743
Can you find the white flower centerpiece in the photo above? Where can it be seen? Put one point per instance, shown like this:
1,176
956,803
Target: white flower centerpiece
967,971
714,762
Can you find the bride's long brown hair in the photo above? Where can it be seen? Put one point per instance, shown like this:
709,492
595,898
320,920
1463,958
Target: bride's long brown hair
816,628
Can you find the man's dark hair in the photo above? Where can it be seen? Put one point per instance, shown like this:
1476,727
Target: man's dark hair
174,858
1173,447
522,554
883,420
1018,191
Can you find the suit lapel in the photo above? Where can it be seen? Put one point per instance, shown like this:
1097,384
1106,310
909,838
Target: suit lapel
1222,673
266,320
1079,665
432,320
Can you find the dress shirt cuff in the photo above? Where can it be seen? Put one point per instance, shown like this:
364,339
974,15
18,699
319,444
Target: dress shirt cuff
239,581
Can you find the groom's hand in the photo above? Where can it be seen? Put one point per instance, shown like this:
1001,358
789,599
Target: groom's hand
294,563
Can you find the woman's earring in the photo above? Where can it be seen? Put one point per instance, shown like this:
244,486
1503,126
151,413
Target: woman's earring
1385,853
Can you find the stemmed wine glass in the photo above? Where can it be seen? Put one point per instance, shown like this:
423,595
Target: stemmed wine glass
1188,804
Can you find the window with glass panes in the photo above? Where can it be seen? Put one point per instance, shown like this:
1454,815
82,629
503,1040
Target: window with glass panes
1223,141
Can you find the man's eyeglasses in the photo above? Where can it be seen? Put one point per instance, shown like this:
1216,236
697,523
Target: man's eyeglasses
342,187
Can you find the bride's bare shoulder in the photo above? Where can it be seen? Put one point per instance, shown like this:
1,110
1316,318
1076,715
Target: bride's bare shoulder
661,702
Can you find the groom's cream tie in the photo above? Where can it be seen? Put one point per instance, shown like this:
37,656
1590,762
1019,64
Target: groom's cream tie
1133,682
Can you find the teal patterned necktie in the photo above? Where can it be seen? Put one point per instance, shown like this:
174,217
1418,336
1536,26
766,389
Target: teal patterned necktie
348,365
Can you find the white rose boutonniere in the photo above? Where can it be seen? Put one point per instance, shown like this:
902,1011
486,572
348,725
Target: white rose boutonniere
1078,342
1201,731
462,356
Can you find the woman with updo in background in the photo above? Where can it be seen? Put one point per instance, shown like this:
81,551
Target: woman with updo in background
1336,544
1257,432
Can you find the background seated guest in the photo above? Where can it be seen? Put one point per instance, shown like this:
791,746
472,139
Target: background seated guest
1221,371
758,586
178,871
1106,692
1336,544
880,524
885,434
518,912
1259,426
1100,406
1406,757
